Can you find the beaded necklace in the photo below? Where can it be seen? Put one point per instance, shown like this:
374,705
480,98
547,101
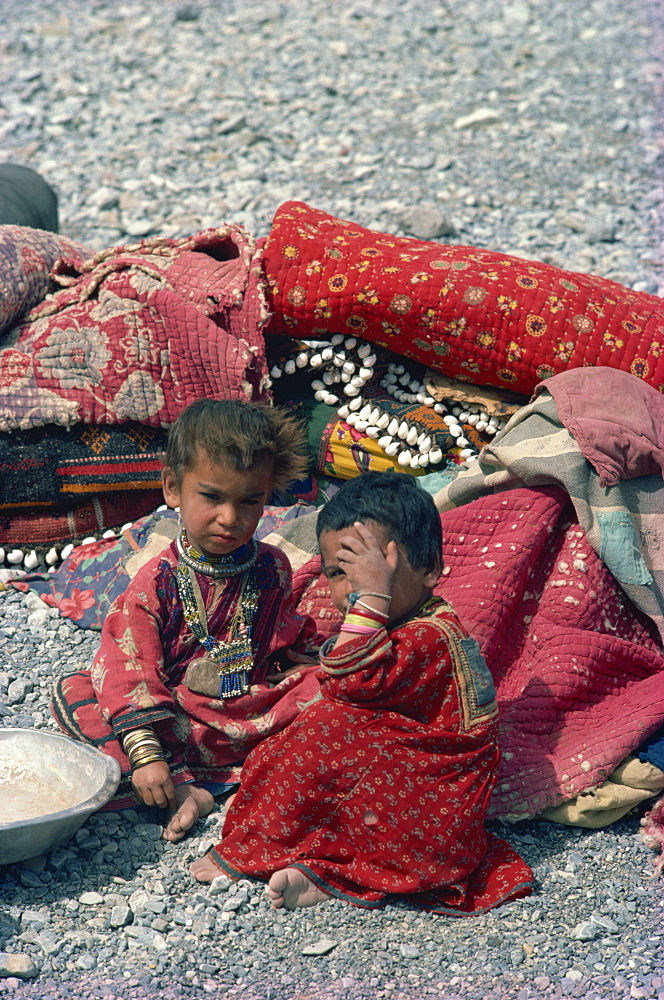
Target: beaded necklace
233,657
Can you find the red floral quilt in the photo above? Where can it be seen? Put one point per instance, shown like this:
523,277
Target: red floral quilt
475,315
138,332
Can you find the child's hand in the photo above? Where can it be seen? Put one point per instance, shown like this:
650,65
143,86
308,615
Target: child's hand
364,563
153,785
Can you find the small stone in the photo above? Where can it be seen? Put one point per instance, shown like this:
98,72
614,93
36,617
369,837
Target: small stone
30,880
517,956
87,962
91,898
426,222
481,118
542,982
19,965
638,993
322,947
221,883
18,689
138,901
574,975
151,831
600,230
587,930
606,923
409,951
121,915
139,227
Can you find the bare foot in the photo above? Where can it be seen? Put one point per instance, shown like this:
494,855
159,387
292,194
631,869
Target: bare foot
204,869
192,803
291,888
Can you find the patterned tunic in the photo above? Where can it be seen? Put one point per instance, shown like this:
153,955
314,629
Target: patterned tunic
381,785
137,677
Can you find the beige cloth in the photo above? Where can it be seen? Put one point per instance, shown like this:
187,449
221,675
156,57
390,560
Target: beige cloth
630,784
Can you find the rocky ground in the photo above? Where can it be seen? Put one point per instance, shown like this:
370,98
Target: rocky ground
526,127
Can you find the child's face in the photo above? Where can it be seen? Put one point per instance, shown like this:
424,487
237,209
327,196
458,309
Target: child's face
410,586
220,506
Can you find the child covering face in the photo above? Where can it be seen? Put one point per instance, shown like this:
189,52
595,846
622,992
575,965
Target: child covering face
380,787
180,690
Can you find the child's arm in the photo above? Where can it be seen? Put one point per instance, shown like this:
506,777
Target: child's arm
370,573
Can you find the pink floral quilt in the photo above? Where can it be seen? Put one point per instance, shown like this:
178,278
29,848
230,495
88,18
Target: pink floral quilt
139,331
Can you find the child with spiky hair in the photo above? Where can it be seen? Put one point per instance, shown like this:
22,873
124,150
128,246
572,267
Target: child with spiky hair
380,787
180,689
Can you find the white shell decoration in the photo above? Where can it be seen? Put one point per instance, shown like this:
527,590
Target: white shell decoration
454,430
275,372
481,425
356,403
317,384
383,420
67,551
403,430
393,426
391,390
350,343
462,442
343,411
316,360
424,461
336,339
51,557
15,557
352,419
349,367
472,419
364,351
327,354
351,390
31,560
466,453
289,367
345,377
372,431
414,461
328,378
435,456
361,425
411,437
385,440
425,445
404,458
330,399
393,448
356,380
302,360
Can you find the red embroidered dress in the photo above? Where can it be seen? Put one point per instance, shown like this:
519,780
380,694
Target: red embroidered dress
137,675
380,786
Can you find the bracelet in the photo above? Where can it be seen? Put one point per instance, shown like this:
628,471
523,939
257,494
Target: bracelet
352,598
359,629
355,618
142,746
367,607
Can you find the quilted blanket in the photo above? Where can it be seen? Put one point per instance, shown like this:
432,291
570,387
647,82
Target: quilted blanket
623,522
26,258
475,315
139,331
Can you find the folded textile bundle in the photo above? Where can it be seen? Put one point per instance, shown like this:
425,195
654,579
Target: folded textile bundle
474,315
138,332
26,258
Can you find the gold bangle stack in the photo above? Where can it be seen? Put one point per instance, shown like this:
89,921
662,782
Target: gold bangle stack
142,747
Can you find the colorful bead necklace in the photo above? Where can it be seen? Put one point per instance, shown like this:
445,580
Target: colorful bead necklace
233,658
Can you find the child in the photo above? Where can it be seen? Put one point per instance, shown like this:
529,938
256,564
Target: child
178,692
381,786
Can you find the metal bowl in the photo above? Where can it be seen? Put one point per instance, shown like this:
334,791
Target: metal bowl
49,785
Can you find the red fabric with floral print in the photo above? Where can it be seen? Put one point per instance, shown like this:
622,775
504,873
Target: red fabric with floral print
381,786
138,332
475,315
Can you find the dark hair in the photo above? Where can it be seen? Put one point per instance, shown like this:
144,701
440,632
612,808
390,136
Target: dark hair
396,502
242,434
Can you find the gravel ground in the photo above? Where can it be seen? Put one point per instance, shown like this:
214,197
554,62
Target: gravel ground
525,127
